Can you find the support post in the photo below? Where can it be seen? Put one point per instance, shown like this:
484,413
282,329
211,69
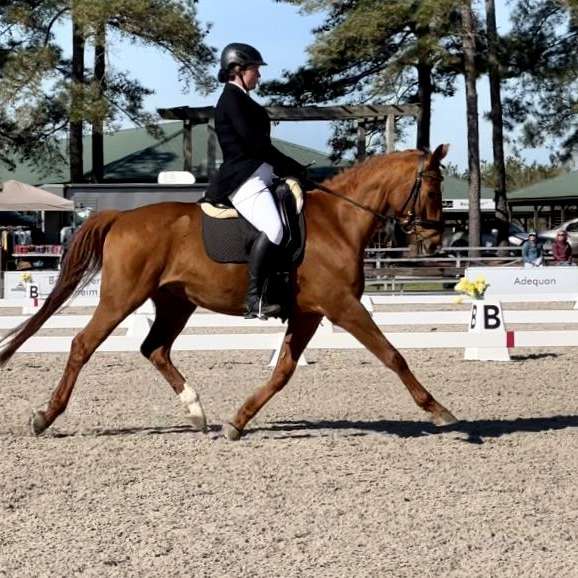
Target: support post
390,133
188,146
211,149
361,140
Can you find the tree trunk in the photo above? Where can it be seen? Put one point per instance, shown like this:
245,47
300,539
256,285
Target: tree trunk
424,95
98,121
469,48
497,123
77,81
424,89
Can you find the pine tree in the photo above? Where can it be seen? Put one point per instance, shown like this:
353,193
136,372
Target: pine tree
496,116
470,74
37,80
376,51
542,59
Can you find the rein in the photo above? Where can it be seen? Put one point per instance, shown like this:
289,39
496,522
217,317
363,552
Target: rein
409,221
329,191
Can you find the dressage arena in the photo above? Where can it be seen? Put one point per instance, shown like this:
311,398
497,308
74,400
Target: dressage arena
339,475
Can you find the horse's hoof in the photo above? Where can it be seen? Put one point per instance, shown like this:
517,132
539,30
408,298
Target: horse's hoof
231,432
199,423
444,418
38,423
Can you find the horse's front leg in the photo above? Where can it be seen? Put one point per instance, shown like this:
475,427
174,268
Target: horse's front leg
352,316
300,329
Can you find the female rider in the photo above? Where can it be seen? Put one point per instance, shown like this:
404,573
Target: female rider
249,163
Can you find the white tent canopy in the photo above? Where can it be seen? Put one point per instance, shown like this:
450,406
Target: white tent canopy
16,196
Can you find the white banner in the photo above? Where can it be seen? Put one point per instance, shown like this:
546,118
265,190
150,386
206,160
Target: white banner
15,284
527,282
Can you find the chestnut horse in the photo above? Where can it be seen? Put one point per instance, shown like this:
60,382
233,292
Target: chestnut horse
157,252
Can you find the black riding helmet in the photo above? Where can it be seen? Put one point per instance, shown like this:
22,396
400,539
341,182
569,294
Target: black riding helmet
238,54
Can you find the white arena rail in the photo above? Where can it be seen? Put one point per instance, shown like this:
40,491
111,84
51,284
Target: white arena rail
138,324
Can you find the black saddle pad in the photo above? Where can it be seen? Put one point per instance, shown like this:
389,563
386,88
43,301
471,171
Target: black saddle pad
230,240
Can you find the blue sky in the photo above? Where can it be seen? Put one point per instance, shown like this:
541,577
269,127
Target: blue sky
282,34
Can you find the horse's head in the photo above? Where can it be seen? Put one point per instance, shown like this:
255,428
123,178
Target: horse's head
420,212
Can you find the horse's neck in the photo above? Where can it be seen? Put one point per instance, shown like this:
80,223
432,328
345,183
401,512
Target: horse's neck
353,222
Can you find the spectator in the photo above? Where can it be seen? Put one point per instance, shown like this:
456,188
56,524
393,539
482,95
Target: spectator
532,252
561,250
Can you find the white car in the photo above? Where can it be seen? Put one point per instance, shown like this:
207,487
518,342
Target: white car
547,238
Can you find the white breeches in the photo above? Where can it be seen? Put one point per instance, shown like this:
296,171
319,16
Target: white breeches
254,201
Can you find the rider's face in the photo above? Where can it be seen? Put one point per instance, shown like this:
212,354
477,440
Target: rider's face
251,76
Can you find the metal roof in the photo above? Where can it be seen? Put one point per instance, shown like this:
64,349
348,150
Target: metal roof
562,189
133,155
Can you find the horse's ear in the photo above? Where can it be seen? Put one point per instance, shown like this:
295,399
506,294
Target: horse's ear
437,156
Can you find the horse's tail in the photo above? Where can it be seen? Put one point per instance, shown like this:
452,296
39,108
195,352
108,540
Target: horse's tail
81,262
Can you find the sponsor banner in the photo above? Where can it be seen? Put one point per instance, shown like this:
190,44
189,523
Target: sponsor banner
531,282
463,205
18,283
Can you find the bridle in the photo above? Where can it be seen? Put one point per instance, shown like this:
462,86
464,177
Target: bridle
408,221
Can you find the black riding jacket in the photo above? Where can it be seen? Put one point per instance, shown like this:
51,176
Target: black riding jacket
244,132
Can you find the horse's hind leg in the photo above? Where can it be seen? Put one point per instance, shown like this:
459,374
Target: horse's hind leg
300,330
171,317
107,315
352,316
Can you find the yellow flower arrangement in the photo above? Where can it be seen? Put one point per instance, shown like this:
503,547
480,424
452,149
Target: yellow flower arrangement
475,288
26,277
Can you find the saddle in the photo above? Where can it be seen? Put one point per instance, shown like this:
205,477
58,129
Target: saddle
228,238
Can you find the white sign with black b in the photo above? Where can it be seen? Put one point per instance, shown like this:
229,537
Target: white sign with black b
486,316
492,316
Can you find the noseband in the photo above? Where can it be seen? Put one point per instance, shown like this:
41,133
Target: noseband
408,221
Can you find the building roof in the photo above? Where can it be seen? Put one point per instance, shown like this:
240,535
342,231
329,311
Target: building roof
454,188
563,188
133,155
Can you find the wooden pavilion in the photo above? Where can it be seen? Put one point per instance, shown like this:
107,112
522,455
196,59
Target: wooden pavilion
361,114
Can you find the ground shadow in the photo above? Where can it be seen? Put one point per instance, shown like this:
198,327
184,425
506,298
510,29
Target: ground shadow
533,356
161,430
476,430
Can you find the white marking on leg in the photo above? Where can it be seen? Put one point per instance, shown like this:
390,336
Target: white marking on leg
192,401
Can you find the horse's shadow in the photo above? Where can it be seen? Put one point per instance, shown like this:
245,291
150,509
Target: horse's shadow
475,431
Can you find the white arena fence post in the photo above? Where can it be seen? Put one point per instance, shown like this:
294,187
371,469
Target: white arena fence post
275,357
139,325
325,327
487,319
367,302
33,303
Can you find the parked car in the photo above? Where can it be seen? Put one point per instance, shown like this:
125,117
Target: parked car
489,237
547,238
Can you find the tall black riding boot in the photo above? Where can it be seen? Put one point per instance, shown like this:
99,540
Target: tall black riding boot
256,304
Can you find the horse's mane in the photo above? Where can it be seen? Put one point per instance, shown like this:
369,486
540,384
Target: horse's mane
375,164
